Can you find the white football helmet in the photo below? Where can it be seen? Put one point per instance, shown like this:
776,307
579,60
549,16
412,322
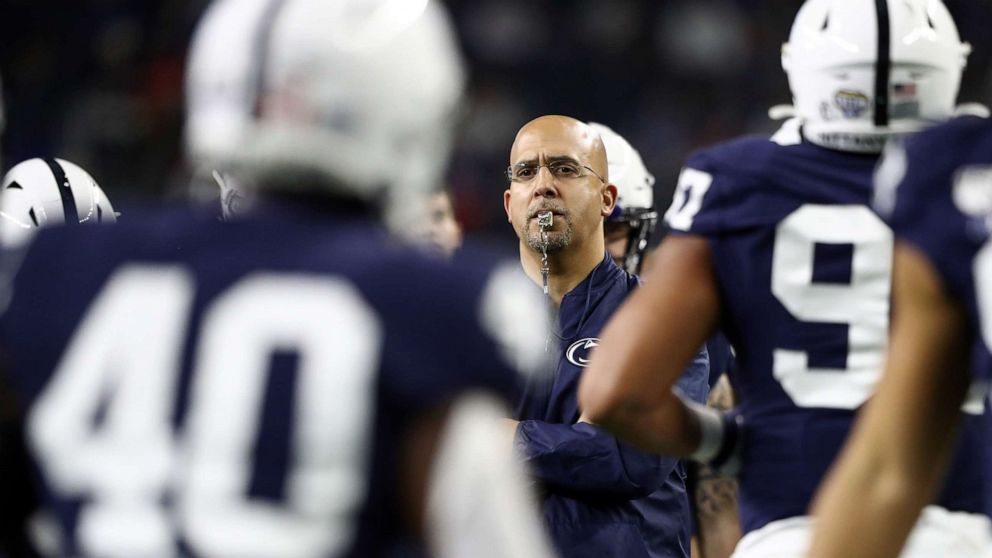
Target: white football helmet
863,70
635,199
363,92
42,192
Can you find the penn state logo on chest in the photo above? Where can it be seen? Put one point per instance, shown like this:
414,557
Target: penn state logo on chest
578,353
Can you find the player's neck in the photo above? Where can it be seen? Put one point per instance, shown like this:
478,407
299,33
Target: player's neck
567,268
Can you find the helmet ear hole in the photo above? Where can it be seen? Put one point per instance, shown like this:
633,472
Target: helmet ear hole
826,22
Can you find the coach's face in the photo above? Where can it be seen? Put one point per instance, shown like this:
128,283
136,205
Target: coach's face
558,164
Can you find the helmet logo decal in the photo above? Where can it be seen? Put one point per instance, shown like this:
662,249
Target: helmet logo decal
852,104
578,352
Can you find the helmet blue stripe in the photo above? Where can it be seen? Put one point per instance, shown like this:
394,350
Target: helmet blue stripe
883,64
263,39
65,191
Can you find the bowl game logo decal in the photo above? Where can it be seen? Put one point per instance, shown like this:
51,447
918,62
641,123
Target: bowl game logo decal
851,103
578,352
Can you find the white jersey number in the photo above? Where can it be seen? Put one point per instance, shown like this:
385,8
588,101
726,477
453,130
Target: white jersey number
982,271
863,304
688,198
123,364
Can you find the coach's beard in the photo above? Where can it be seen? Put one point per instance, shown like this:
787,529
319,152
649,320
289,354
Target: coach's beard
557,240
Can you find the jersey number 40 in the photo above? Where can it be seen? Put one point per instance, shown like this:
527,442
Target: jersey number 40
143,483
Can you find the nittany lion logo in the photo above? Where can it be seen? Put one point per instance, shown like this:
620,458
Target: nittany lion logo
578,352
851,103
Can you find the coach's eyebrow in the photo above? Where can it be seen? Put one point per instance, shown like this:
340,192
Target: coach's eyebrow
550,159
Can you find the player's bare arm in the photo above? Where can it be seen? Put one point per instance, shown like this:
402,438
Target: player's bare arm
716,513
715,495
419,447
645,347
721,394
895,458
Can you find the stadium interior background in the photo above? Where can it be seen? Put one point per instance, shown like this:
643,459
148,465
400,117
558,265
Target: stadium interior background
99,82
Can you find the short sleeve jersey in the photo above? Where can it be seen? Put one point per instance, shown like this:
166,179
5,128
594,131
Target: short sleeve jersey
200,388
804,271
936,193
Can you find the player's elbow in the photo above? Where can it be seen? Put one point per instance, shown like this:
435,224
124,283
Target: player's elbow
603,413
598,397
606,402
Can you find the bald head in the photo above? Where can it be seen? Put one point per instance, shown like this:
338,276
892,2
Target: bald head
553,137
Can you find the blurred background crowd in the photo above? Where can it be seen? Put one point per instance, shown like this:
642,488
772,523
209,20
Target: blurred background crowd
99,82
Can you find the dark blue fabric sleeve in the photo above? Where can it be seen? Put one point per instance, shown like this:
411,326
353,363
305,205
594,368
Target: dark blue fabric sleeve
924,213
720,356
732,187
694,381
583,460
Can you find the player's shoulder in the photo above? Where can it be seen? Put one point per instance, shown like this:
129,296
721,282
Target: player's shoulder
751,153
92,245
958,136
934,192
731,184
919,170
427,287
763,156
479,310
940,151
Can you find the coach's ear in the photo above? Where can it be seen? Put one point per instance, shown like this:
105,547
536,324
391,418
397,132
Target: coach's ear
609,194
506,206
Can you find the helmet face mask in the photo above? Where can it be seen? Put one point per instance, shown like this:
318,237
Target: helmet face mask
638,224
851,90
363,92
42,192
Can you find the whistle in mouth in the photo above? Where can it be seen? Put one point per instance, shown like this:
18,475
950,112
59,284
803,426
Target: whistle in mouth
545,219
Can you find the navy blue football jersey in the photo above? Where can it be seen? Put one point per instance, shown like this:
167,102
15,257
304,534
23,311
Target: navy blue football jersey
804,270
936,193
243,389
